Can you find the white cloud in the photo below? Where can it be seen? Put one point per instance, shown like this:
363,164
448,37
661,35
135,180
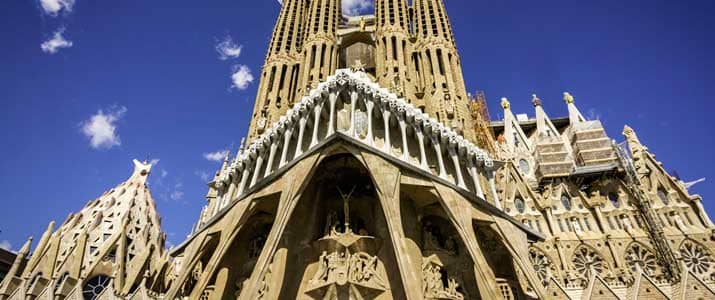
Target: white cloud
56,43
355,7
101,128
154,162
53,7
351,7
5,244
228,49
203,175
216,155
164,173
176,195
241,77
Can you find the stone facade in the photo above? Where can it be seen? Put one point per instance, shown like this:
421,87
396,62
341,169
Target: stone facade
609,212
368,174
108,250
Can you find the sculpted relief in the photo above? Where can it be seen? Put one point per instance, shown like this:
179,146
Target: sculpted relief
437,285
347,264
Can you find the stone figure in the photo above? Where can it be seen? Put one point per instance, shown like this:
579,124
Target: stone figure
357,267
451,290
433,286
322,268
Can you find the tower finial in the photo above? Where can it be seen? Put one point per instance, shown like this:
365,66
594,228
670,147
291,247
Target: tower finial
505,103
568,98
26,247
535,100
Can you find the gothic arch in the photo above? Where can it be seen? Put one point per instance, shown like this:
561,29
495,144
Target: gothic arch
336,237
435,246
499,259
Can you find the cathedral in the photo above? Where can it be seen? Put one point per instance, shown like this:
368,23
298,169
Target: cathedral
369,172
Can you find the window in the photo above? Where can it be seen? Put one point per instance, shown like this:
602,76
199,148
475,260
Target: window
95,286
613,197
566,202
519,204
663,196
524,166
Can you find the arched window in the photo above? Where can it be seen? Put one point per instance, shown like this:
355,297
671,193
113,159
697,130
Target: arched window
95,286
613,197
566,201
663,195
524,166
519,204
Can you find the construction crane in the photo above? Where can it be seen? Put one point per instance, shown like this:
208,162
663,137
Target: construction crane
482,120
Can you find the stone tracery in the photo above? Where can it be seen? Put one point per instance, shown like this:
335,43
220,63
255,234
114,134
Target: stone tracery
542,265
638,257
695,257
587,262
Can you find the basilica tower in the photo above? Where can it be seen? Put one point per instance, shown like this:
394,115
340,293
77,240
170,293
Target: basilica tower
320,47
392,35
438,65
280,75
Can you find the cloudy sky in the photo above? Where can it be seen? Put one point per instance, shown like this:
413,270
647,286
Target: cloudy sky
85,86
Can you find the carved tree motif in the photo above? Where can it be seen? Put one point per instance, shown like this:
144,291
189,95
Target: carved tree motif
637,255
542,265
695,257
585,261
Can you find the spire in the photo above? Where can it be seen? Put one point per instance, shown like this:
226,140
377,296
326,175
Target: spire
437,63
226,157
505,103
25,250
15,269
392,33
535,100
320,45
575,115
40,248
431,20
568,98
141,171
632,139
278,86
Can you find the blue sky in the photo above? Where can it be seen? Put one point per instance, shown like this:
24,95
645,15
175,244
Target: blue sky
118,80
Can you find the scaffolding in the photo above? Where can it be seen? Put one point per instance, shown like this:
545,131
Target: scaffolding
480,115
664,253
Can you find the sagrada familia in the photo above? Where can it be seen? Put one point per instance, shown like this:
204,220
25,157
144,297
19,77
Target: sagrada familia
370,172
